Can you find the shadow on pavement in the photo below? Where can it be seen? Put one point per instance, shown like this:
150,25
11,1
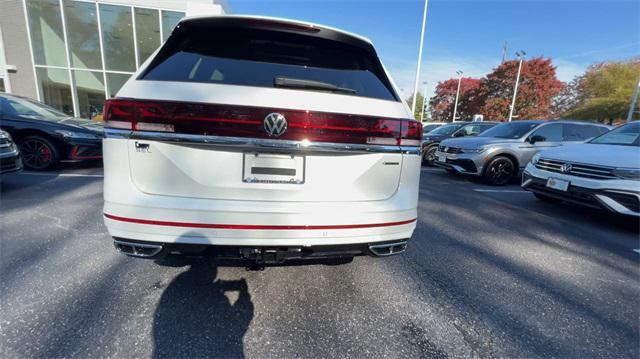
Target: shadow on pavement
197,315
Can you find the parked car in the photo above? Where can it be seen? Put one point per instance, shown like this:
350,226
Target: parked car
10,160
46,136
430,126
602,173
501,153
279,140
431,140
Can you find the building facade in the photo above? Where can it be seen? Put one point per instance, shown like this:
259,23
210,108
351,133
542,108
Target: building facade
74,54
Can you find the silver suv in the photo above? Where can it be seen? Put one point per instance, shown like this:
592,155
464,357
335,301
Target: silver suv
502,152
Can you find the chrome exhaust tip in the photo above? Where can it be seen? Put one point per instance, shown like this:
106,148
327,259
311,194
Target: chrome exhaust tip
140,250
388,249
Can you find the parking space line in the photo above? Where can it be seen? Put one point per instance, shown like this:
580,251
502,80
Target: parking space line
637,250
59,174
499,190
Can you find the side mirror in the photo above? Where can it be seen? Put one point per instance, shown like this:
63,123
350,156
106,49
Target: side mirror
536,138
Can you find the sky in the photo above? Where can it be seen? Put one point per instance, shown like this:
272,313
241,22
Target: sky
469,35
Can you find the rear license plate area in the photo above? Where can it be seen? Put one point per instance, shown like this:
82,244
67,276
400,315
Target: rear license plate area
273,168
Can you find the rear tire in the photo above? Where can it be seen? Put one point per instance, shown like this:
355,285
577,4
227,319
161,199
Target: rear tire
500,171
547,199
38,153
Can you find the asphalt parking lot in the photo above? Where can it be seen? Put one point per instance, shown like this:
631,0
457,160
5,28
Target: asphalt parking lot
490,272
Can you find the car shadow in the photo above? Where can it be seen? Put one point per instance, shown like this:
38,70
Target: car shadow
197,316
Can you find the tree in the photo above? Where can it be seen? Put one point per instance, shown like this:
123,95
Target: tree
419,106
538,86
604,91
443,102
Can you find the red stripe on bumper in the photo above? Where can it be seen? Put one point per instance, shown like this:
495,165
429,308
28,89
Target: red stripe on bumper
255,226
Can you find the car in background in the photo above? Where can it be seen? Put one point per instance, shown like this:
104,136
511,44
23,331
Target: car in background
46,136
430,126
500,154
431,140
10,160
602,173
280,140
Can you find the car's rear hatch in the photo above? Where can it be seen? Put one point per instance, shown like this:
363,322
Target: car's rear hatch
205,115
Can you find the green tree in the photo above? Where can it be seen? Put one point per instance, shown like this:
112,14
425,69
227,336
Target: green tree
604,91
419,106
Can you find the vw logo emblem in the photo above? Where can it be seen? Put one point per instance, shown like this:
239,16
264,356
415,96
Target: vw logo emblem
275,124
566,167
446,149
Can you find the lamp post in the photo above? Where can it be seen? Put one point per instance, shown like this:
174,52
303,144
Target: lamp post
455,106
424,101
634,100
415,85
515,88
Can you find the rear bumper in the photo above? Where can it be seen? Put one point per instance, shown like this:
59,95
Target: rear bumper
233,234
261,254
617,196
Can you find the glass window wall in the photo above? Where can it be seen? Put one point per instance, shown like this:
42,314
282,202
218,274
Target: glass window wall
95,32
147,32
47,37
117,37
82,30
55,88
89,86
169,21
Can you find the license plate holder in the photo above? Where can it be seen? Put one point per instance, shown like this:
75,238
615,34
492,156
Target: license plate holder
558,184
273,168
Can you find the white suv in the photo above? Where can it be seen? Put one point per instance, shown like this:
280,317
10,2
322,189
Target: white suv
264,139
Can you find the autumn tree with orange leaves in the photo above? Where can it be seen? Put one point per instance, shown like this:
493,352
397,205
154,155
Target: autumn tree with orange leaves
492,95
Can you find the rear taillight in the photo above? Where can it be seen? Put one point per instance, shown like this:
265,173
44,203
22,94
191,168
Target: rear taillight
411,133
245,121
119,114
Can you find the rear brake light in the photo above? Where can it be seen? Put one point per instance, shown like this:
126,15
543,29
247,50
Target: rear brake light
119,114
411,133
245,121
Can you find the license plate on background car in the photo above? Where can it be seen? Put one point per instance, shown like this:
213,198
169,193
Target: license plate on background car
558,184
273,168
442,158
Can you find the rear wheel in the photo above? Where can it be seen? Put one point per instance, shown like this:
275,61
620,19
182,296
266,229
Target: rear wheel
499,171
429,156
38,153
545,198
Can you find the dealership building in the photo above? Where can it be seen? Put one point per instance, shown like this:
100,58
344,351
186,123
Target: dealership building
74,54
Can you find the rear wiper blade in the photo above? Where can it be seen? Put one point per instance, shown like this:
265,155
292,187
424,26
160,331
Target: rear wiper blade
287,82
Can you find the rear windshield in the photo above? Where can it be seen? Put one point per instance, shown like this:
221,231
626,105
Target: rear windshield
267,58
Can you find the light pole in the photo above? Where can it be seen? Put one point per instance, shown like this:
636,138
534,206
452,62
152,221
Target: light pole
515,89
424,101
415,85
634,100
455,106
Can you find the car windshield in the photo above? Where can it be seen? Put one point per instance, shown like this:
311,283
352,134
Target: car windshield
446,129
428,128
511,130
23,107
626,135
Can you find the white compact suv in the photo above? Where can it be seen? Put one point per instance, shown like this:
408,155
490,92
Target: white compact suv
264,139
602,173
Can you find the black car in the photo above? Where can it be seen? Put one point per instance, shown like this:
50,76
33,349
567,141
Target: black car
431,140
46,136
